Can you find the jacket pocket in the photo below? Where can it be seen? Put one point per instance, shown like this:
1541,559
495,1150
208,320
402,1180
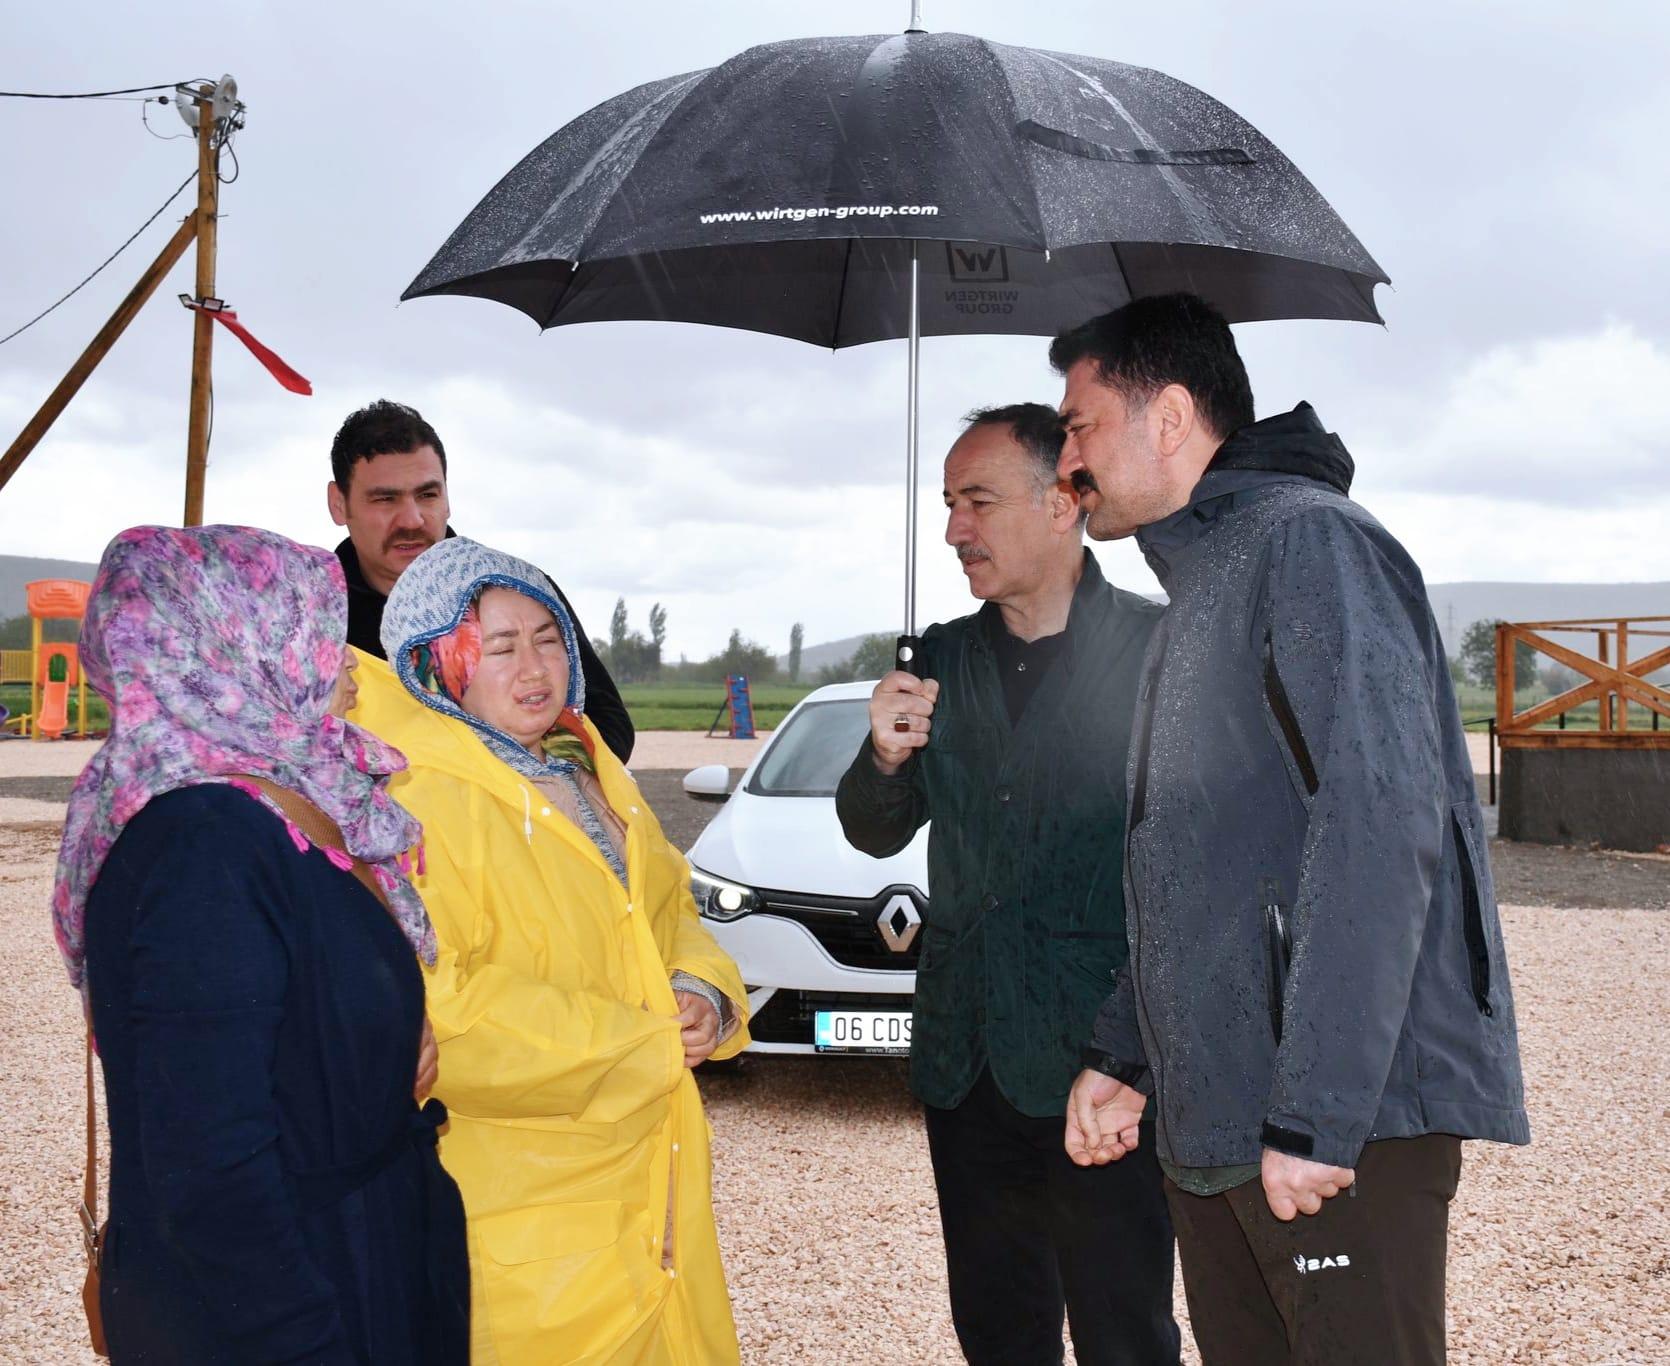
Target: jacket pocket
1278,949
1276,694
554,1273
542,1232
1472,909
1082,965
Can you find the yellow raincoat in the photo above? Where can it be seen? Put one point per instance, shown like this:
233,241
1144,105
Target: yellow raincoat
577,1135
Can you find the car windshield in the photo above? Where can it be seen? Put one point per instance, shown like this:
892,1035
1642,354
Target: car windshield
812,750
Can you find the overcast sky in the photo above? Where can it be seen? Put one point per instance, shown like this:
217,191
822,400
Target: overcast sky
1502,161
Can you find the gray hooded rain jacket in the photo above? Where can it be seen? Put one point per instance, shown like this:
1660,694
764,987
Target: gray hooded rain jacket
1316,959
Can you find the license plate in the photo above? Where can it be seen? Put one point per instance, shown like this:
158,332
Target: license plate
862,1031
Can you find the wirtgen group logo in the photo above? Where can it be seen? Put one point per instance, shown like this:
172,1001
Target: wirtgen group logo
970,261
975,269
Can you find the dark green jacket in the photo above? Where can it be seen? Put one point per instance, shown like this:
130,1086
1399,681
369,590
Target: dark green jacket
1026,916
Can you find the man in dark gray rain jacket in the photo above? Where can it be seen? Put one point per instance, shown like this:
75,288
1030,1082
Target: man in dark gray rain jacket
1317,995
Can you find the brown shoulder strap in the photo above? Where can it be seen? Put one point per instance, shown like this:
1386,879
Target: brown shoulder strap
320,829
90,1182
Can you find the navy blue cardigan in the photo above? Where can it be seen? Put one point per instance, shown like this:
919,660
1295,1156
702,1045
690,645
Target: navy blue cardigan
275,1194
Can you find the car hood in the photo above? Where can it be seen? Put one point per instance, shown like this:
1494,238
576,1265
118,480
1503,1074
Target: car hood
795,844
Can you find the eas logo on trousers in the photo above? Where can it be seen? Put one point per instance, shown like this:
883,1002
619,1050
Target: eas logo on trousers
1319,1263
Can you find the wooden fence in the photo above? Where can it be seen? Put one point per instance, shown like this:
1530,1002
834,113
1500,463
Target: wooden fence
1612,680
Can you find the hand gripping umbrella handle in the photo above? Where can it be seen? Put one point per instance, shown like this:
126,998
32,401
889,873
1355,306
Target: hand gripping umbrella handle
907,655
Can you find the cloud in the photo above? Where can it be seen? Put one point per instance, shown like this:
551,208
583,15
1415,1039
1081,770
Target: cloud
1573,422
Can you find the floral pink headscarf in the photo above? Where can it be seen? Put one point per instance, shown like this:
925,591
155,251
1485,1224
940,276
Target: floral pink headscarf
218,649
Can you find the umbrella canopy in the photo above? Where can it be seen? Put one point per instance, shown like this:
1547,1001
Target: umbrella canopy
782,191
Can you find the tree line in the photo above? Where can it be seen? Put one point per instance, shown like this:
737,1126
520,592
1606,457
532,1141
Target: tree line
635,657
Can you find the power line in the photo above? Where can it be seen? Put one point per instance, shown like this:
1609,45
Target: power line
107,260
91,94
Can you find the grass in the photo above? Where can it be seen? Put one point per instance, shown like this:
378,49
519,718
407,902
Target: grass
692,706
14,697
1478,705
654,706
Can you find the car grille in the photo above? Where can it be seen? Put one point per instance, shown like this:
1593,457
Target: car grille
850,927
787,1016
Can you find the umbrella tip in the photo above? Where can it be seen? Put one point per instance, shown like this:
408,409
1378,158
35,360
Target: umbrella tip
916,18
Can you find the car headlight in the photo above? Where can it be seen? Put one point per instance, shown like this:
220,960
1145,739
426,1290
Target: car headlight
718,899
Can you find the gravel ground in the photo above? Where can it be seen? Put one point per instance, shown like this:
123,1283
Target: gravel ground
826,1205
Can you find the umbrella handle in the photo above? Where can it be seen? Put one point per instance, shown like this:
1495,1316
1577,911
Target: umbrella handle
907,655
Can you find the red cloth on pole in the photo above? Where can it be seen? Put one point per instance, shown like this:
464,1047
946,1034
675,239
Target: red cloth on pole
274,363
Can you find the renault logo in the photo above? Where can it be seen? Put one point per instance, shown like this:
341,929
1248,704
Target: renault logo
898,922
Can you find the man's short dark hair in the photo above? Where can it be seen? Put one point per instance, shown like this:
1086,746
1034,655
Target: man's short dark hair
381,428
1160,340
1036,428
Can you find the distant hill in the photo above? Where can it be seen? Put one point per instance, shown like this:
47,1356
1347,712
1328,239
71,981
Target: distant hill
1458,605
1455,605
815,657
18,570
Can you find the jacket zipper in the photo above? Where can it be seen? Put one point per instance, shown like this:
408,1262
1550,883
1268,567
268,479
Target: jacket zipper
1472,922
1278,942
1148,699
1276,695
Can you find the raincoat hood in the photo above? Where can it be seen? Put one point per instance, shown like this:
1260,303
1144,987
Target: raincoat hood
430,599
1285,448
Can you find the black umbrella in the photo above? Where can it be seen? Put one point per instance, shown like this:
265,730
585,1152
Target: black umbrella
851,189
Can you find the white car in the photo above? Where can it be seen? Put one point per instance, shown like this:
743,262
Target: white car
826,937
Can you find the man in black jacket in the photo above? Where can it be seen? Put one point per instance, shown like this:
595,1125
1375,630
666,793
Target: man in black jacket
1317,997
388,487
1012,743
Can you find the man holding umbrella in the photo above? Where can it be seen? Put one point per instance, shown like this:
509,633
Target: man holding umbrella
1317,997
1010,743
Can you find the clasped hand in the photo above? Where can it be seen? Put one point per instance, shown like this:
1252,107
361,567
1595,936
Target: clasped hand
698,1024
1102,1119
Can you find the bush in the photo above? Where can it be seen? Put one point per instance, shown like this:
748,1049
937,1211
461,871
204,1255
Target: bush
872,658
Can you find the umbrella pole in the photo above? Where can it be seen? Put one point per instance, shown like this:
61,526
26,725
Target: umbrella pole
905,655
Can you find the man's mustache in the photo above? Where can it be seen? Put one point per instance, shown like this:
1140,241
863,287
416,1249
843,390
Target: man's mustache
969,554
415,534
1083,481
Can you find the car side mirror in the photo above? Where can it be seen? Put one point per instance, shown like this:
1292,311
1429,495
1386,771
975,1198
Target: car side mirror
709,783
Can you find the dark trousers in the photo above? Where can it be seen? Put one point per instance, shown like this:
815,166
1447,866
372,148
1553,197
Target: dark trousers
1028,1235
1360,1283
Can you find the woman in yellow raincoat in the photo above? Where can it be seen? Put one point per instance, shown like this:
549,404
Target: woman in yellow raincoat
575,986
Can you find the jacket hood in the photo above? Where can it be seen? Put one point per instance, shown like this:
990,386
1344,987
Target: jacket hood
430,599
1280,449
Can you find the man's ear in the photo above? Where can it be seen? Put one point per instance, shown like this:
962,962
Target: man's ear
1172,411
337,501
1063,502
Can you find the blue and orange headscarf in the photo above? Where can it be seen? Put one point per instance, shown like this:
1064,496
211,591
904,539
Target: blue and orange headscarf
432,636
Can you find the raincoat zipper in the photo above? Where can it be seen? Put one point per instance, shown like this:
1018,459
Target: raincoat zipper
1278,941
1148,700
1276,694
1472,922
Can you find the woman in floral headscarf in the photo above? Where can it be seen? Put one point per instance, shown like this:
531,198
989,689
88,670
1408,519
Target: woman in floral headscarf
231,902
574,987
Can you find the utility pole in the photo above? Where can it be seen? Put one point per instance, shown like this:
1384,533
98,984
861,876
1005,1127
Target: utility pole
215,114
203,326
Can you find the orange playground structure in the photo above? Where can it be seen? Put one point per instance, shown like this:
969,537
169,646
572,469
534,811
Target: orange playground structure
48,714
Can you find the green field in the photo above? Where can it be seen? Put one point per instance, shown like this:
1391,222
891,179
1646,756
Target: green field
1478,705
692,706
14,697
